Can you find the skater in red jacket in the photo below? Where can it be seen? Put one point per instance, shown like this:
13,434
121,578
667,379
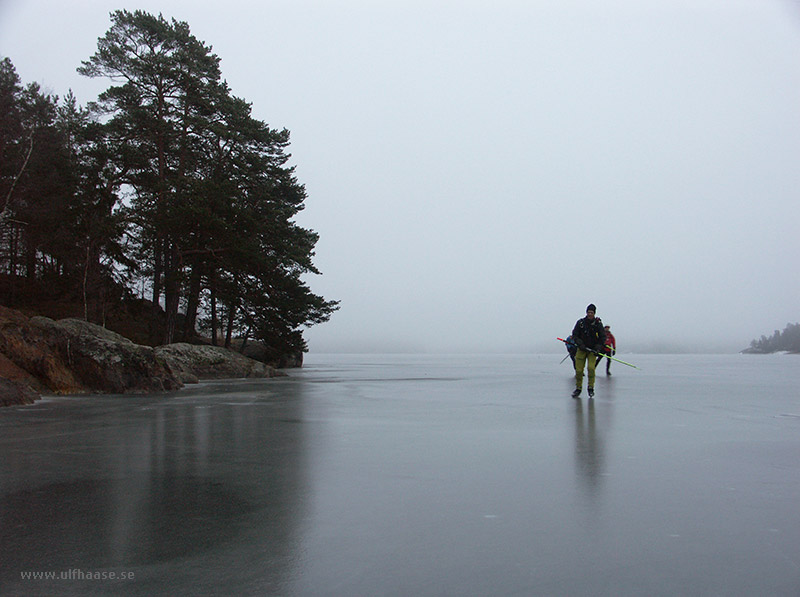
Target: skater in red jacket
610,348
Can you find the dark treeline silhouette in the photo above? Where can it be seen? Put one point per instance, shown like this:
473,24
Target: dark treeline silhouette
788,340
164,200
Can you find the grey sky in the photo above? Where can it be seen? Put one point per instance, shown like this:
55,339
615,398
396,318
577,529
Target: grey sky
480,171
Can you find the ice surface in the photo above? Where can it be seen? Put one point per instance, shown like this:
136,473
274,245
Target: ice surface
416,475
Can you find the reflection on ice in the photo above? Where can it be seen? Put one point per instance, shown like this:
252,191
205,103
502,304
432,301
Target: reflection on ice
588,446
177,489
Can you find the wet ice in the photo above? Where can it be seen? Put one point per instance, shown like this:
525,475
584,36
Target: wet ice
426,474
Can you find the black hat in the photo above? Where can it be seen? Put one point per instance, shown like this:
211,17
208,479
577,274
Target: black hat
591,307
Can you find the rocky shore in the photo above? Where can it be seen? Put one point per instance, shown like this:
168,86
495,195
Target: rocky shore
41,356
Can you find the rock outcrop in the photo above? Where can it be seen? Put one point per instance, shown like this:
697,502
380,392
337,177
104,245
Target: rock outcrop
191,362
13,393
71,356
259,352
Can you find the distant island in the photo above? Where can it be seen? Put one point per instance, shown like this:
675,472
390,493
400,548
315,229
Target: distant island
786,341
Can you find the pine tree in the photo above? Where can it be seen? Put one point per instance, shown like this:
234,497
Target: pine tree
162,106
35,180
212,196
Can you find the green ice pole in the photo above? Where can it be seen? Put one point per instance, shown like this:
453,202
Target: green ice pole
605,355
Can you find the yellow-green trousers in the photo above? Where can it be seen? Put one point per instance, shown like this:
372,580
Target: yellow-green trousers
583,357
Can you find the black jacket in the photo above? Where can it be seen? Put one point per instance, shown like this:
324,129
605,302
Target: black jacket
589,334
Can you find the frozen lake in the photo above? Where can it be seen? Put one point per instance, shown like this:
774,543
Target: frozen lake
415,475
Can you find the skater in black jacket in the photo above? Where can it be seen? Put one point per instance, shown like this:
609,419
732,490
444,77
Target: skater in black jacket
589,336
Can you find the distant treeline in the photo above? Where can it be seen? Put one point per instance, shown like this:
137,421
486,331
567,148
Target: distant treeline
166,187
788,340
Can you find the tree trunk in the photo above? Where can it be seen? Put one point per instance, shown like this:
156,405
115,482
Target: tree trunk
158,269
171,293
192,303
229,330
86,285
13,250
214,323
30,257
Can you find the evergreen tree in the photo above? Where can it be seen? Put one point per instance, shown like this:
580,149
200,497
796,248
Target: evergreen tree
35,180
213,198
166,76
16,145
98,220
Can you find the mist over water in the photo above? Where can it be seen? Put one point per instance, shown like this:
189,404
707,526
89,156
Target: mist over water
478,172
416,474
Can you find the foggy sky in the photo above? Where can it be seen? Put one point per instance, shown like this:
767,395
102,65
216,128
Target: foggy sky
479,172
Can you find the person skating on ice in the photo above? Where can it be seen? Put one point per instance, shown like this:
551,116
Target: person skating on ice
589,336
610,348
571,349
